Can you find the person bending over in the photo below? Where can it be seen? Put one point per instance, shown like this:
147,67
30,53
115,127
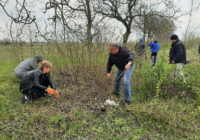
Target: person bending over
122,58
27,65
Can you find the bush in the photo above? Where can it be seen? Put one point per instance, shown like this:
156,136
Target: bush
161,81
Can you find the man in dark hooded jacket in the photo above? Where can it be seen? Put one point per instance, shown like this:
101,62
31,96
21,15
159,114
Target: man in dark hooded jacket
27,65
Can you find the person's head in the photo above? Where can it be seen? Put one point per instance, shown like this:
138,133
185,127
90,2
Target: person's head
155,40
141,40
46,66
114,48
173,38
38,58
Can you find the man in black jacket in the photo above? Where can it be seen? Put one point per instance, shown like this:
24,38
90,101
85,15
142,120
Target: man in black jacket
199,49
177,53
123,59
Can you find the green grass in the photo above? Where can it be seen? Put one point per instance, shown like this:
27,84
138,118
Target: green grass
171,113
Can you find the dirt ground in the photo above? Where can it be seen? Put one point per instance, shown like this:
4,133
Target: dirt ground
84,91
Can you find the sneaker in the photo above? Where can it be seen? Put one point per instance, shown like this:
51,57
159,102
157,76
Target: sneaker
116,94
24,99
127,102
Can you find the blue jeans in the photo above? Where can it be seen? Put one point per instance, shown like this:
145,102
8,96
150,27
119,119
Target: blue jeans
127,86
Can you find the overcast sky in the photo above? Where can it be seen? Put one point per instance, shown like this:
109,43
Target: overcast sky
181,23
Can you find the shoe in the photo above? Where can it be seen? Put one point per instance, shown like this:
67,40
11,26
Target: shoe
127,102
116,94
24,99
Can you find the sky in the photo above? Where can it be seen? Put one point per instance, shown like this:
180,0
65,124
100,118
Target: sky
181,23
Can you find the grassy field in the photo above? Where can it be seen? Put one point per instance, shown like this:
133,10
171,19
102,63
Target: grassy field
162,107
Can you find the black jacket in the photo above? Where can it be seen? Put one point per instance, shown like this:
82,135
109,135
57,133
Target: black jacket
177,52
199,48
120,60
36,79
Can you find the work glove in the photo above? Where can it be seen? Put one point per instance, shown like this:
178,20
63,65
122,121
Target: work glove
50,91
56,94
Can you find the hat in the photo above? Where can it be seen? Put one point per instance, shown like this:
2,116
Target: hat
155,40
38,58
174,37
141,40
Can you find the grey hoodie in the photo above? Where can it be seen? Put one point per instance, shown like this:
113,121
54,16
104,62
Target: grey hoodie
27,65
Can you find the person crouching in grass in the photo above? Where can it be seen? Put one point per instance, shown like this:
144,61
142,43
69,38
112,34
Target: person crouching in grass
36,84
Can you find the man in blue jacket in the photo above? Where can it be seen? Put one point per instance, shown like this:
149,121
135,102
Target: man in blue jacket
154,47
122,58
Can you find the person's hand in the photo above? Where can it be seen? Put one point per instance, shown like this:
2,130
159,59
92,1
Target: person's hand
108,75
50,90
57,95
168,58
128,66
173,62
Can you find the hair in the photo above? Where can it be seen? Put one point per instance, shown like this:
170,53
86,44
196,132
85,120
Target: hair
115,45
46,63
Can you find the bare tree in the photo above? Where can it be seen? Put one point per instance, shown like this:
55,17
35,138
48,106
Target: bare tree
125,11
155,27
121,10
83,20
22,14
77,17
190,16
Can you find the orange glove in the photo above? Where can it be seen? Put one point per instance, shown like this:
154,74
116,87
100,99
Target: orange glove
50,91
56,94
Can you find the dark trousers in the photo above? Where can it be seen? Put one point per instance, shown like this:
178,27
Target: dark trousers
31,91
35,93
153,58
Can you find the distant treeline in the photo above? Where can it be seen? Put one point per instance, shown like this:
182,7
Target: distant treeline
5,42
9,42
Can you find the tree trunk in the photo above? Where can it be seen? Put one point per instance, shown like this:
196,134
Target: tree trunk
126,35
89,26
89,34
144,29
